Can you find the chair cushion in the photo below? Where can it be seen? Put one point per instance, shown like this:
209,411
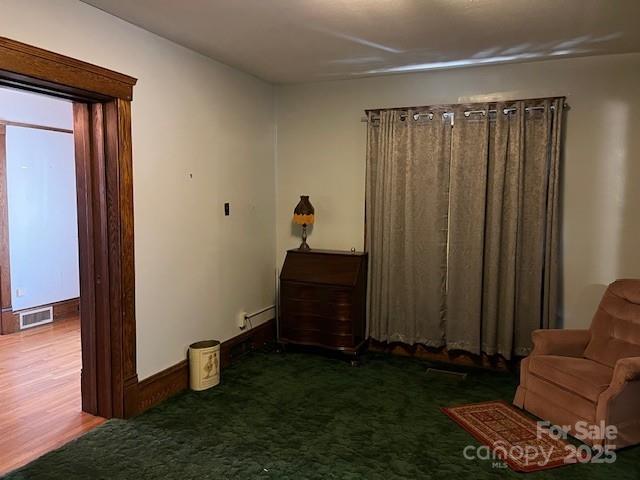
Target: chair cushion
615,330
579,375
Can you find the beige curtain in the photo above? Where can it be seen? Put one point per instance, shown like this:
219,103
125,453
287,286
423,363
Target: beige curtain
407,197
503,233
467,199
489,235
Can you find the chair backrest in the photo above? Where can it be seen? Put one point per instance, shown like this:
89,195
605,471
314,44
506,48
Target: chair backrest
615,329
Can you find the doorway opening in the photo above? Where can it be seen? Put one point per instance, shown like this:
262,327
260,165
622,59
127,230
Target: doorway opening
40,337
39,267
101,105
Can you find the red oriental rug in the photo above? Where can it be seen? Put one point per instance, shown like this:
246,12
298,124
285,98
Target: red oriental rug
511,436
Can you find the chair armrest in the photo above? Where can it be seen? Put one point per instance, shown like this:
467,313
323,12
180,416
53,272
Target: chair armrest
567,343
626,370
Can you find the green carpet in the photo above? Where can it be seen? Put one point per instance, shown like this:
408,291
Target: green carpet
303,416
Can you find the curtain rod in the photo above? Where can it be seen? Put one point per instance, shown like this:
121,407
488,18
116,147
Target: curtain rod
467,113
445,106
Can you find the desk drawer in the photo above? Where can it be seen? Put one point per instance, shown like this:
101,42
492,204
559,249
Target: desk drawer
301,291
316,323
339,296
312,337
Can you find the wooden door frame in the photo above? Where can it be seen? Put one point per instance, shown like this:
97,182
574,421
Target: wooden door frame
102,131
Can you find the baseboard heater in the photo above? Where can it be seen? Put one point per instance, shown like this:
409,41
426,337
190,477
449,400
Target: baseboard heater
38,316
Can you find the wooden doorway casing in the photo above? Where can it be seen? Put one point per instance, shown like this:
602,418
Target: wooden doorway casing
102,131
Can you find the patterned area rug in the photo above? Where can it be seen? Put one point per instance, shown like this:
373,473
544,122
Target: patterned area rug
511,435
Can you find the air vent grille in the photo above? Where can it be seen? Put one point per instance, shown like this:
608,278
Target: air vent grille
33,318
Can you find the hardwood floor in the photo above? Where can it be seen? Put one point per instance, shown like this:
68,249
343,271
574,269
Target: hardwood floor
40,403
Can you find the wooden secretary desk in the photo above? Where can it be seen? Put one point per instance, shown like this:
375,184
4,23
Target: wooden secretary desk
323,299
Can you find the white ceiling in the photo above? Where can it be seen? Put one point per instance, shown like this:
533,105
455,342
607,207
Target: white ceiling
286,41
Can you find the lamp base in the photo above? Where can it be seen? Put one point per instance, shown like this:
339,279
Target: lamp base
304,245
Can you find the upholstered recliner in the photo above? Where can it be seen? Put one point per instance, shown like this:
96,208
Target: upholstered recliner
590,376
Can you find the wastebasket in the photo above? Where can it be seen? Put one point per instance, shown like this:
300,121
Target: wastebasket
204,364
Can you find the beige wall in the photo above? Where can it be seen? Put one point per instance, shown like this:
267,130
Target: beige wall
195,268
321,152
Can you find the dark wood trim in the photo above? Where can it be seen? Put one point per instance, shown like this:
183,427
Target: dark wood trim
252,339
102,126
167,383
105,199
119,210
66,309
9,322
5,270
61,311
82,119
161,386
60,75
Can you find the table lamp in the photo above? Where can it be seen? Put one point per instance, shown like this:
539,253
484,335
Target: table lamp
304,215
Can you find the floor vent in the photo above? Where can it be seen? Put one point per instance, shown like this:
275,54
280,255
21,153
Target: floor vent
33,318
446,374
